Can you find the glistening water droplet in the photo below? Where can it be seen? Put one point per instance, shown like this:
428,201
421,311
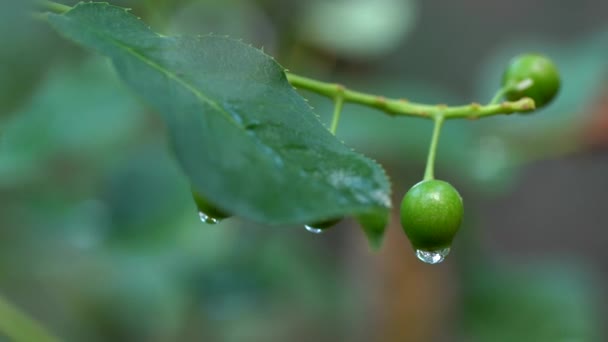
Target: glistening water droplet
207,219
432,257
314,230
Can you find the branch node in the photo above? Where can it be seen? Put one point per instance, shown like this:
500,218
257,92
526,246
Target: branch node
381,100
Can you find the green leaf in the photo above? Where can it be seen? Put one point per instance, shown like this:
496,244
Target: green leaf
373,224
247,141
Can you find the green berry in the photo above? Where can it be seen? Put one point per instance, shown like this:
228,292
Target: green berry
533,76
208,209
431,213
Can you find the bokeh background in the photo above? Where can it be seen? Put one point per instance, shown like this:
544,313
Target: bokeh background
100,241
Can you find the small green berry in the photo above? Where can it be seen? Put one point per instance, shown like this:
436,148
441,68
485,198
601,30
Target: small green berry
534,76
431,213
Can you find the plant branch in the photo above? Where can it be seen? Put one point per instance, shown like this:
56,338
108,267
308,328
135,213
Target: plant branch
18,327
405,108
429,172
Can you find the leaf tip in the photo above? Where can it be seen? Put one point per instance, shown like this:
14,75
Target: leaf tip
375,243
374,226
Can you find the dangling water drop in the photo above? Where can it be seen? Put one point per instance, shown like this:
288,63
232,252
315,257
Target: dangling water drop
208,219
313,229
432,257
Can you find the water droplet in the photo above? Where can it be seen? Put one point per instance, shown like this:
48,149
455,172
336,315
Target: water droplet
432,257
314,230
207,219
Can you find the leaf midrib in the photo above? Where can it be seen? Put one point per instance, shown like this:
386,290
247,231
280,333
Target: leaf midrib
151,63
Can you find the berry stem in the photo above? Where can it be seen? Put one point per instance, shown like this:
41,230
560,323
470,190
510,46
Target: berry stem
429,172
403,107
338,104
500,94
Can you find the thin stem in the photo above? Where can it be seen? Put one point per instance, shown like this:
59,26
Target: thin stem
338,104
18,327
499,95
406,108
429,172
54,6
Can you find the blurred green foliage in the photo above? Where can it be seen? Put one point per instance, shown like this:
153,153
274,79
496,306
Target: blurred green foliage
100,240
542,301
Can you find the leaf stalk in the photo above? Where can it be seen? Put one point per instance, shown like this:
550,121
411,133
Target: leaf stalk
54,6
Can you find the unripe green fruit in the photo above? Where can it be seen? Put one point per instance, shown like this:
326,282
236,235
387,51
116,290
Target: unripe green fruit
207,208
532,76
431,213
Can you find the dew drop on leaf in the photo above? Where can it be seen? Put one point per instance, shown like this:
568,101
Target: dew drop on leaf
313,229
432,257
208,219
